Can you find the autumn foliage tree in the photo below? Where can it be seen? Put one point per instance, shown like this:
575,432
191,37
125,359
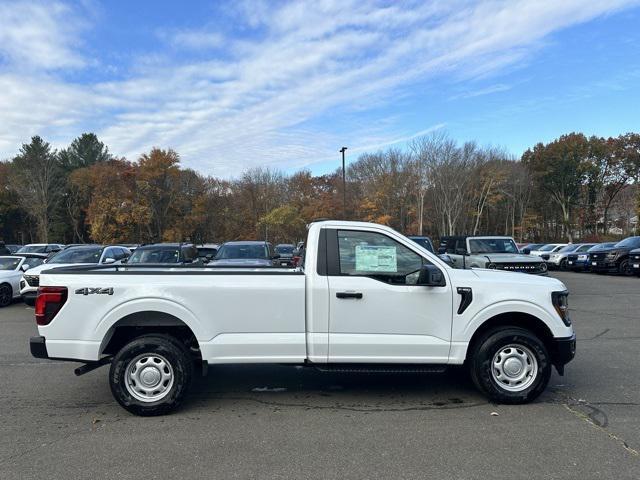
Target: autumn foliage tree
573,187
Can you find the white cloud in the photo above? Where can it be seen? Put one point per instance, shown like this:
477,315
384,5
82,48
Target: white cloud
303,64
39,35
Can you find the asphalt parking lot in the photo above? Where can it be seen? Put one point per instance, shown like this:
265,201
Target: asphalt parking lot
287,422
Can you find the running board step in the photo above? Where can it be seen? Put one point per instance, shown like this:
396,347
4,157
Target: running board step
342,368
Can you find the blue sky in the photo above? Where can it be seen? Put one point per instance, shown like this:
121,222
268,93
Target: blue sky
234,85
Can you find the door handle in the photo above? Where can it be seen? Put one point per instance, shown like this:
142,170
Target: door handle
357,295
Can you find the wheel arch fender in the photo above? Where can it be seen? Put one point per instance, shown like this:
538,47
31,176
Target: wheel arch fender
518,314
156,312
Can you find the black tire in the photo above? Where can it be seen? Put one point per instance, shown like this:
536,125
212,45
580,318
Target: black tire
624,268
483,352
166,347
6,295
563,264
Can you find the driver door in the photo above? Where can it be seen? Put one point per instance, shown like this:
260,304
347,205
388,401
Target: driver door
377,312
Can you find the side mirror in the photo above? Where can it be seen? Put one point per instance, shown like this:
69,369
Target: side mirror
24,267
209,256
109,260
431,276
461,251
526,251
124,260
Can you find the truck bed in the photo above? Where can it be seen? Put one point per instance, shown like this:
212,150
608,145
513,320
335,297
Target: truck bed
218,304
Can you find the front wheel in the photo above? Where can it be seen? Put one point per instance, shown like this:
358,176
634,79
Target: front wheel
151,374
563,264
6,295
624,268
510,365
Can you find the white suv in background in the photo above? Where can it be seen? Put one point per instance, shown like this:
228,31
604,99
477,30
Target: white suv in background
548,249
77,255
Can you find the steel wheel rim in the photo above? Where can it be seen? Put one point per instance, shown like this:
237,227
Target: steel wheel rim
514,368
149,377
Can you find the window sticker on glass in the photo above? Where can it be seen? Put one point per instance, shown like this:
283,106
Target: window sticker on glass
372,258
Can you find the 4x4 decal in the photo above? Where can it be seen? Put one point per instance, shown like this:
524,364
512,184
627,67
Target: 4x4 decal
94,291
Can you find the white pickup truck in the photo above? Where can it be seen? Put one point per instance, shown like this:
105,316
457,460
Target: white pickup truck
367,298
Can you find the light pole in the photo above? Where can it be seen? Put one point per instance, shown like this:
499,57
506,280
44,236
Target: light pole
344,186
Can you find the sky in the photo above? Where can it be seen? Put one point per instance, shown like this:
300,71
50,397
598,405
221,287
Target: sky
241,84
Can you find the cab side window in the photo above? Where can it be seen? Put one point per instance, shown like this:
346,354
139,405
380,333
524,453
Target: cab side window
374,255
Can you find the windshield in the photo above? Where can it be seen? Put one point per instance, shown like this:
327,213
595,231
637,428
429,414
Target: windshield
155,255
78,255
284,249
584,248
568,248
242,251
632,242
548,248
534,246
33,249
8,263
493,245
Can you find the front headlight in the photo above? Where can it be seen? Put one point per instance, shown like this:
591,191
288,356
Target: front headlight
560,302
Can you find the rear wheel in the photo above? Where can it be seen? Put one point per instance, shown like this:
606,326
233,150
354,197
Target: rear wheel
6,295
151,374
510,365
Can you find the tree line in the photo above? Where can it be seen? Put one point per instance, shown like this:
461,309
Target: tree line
575,187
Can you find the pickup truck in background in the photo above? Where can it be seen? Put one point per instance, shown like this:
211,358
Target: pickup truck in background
367,299
496,253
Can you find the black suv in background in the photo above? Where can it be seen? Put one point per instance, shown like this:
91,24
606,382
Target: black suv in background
424,242
169,253
614,259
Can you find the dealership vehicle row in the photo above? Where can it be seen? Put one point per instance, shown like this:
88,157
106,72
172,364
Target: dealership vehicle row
493,252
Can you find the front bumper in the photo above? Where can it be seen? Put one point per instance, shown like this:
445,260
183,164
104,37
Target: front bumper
38,347
603,266
563,350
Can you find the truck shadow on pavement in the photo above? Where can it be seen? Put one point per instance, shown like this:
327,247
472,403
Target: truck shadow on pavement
307,388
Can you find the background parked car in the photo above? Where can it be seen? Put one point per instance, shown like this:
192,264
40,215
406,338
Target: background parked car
245,254
547,249
424,242
78,255
616,258
579,261
169,253
41,248
285,250
529,247
560,259
11,270
13,248
493,252
207,251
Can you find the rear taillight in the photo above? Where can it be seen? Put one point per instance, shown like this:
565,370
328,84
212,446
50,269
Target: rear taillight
48,303
296,261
